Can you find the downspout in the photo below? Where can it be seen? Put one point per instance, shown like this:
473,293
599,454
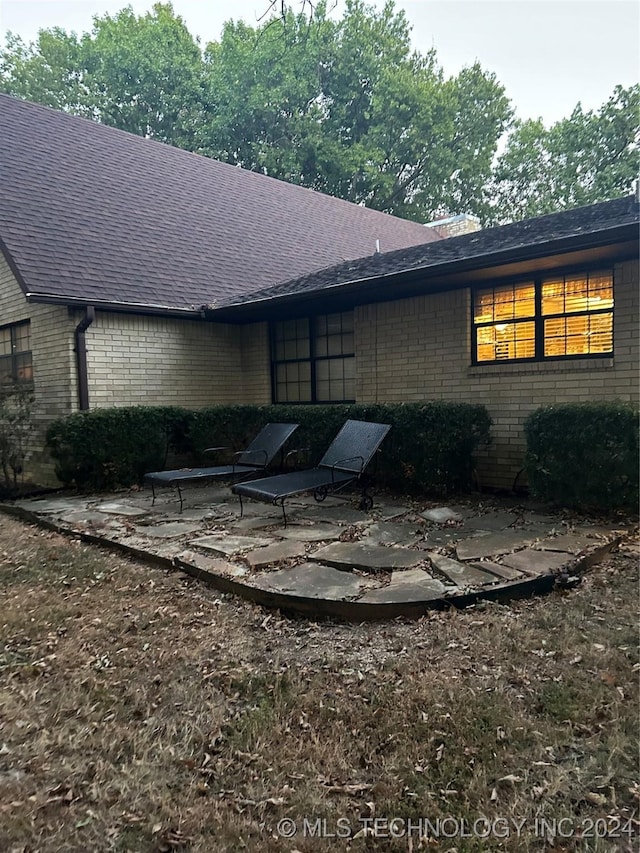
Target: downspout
81,357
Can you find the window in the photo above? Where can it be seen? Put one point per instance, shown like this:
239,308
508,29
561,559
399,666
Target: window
313,359
15,353
548,317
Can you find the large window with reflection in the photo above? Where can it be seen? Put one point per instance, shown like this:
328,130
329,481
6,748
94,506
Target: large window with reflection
313,359
555,316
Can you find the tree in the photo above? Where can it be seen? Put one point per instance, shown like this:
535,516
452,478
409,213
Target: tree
348,108
141,74
589,157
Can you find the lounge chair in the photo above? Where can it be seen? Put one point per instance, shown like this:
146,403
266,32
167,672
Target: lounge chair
344,463
253,460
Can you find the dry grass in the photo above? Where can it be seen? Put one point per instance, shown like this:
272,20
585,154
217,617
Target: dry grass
141,711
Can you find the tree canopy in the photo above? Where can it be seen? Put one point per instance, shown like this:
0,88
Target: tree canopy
345,106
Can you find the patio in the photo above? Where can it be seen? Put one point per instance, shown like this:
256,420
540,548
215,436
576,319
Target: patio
401,559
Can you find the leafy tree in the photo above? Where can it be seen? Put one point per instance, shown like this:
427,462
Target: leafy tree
141,74
48,71
348,108
589,157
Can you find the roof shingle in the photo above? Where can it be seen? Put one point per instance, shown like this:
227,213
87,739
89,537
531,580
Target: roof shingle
538,233
91,213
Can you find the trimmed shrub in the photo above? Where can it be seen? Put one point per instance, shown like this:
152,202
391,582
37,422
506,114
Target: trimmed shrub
584,455
430,447
107,448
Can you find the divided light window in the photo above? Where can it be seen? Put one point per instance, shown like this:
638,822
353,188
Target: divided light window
15,353
552,317
313,359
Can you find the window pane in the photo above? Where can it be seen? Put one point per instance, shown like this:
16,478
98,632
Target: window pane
577,293
22,338
506,302
5,341
334,345
506,341
583,335
6,369
24,370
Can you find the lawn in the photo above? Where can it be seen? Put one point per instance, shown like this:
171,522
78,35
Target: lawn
142,711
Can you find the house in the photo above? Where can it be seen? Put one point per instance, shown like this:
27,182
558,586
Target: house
181,280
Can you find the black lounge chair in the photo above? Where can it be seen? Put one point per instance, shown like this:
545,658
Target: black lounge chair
344,463
253,460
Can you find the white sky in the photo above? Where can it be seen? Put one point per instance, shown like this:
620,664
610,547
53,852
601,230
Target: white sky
549,54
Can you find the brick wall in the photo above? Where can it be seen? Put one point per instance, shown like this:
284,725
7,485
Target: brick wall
420,349
147,361
53,365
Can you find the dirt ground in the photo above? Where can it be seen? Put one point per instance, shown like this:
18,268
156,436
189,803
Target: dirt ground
142,711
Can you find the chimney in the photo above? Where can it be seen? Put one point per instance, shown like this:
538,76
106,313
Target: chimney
454,226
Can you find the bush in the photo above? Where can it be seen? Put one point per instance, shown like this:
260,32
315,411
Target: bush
16,426
584,455
107,448
429,449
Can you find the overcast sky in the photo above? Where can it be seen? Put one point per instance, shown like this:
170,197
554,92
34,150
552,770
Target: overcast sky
549,54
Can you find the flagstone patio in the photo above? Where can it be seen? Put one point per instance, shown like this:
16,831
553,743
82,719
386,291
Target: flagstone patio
400,559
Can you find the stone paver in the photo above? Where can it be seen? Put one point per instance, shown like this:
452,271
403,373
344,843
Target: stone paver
311,580
53,505
388,510
394,533
369,558
311,532
492,521
337,514
441,515
114,508
215,565
492,544
246,525
571,543
167,531
462,574
86,518
275,553
504,572
534,562
229,546
411,585
439,536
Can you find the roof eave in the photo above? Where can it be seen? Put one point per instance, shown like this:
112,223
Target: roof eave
115,306
530,252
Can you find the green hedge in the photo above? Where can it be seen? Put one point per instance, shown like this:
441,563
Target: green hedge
430,447
107,448
584,455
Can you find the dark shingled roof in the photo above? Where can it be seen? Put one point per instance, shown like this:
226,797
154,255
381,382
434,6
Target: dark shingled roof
89,213
520,240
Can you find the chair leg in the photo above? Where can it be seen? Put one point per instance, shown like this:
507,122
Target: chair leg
241,506
180,496
153,492
284,514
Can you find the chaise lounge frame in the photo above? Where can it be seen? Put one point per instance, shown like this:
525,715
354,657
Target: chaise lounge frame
344,463
251,461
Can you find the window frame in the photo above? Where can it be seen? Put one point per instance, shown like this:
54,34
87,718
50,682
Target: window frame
538,318
313,359
14,355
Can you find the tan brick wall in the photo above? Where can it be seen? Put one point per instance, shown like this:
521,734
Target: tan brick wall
420,349
256,364
134,360
53,365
